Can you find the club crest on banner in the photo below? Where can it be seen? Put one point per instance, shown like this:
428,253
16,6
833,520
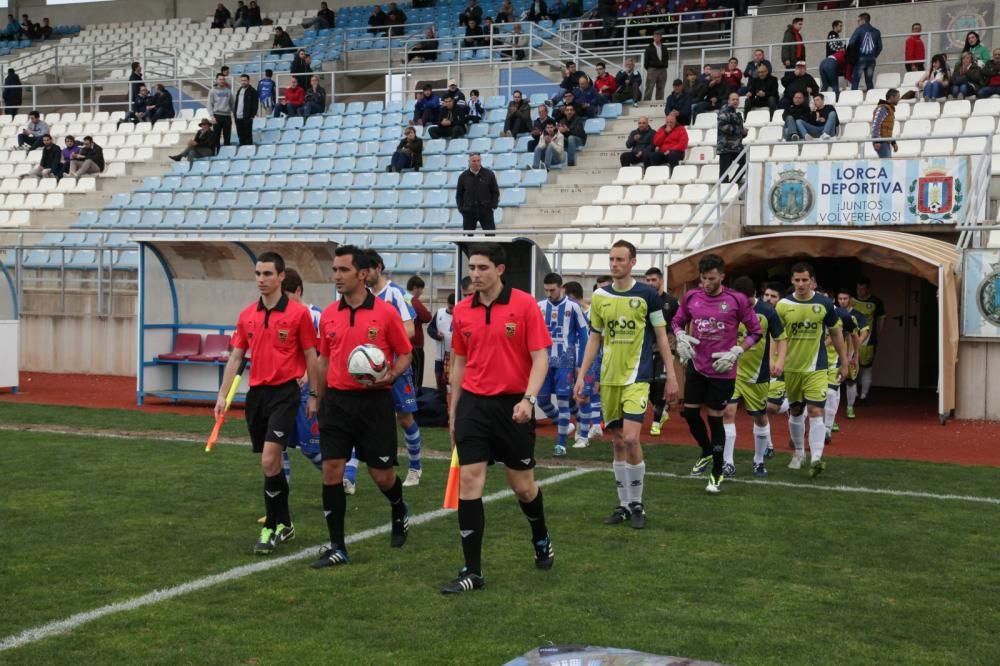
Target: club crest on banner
988,296
792,197
936,196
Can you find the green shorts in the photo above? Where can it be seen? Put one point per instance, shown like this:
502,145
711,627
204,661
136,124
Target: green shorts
776,391
866,356
806,387
620,403
754,396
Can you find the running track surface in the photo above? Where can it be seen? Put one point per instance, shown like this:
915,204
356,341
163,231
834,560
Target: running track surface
894,425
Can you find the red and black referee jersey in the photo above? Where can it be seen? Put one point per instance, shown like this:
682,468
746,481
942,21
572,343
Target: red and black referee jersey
277,340
497,340
342,328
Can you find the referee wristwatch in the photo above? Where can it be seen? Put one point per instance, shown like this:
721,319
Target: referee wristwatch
531,399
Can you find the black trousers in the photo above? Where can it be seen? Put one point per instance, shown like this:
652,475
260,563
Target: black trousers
482,215
244,131
418,365
725,161
223,129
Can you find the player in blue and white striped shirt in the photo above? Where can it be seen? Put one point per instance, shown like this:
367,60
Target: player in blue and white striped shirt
567,326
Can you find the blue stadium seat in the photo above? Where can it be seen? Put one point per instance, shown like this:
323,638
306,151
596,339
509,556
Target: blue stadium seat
347,148
612,110
312,199
364,181
442,263
385,217
315,120
459,162
411,180
411,262
385,199
457,147
594,125
435,179
309,137
289,136
334,218
436,199
329,135
311,218
307,149
152,183
265,151
508,178
537,99
506,161
294,122
343,164
319,181
525,160
327,148
434,147
87,218
359,219
486,159
302,166
368,148
521,144
254,182
496,116
129,218
218,218
247,199
513,196
241,219
433,163
247,152
387,181
496,129
480,145
323,164
198,168
366,163
120,200
452,181
371,134
211,183
361,199
225,200
173,219
270,199
410,198
355,108
504,144
410,218
260,167
374,107
226,152
333,120
437,217
534,178
288,218
390,259
495,102
394,106
352,121
152,218
477,130
297,181
201,199
195,218
233,182
387,147
394,120
341,181
263,219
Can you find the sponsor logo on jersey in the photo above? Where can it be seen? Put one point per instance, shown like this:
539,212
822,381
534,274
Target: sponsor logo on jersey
372,333
283,334
510,328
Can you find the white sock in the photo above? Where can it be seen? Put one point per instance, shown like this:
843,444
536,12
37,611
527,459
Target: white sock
832,405
852,394
635,475
727,453
797,429
784,406
621,481
817,435
761,440
865,378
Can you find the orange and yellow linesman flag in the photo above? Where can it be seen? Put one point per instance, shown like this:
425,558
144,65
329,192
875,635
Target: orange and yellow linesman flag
451,490
229,401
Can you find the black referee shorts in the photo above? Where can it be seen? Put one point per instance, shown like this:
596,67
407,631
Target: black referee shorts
361,420
271,412
486,432
712,392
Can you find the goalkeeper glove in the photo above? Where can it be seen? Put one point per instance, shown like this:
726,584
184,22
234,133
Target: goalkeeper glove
685,346
724,361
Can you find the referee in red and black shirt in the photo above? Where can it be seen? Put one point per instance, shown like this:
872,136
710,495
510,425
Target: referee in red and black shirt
353,416
499,360
280,337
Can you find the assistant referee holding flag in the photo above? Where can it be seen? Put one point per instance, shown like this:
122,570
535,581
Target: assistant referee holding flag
279,334
353,416
499,360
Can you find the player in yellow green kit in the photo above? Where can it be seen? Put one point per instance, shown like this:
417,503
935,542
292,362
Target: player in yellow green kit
806,317
873,309
626,317
777,403
753,375
846,301
849,326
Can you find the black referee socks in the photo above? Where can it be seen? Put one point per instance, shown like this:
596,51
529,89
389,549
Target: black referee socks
334,508
395,497
471,522
275,500
535,512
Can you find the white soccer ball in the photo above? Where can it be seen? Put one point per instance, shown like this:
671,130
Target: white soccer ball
367,364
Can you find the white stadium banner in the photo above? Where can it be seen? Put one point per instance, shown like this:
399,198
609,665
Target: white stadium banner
861,193
981,294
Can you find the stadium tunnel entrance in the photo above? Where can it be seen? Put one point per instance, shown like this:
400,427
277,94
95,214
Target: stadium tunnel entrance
915,276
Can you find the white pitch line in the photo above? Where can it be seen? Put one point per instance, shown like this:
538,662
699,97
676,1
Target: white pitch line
842,489
72,622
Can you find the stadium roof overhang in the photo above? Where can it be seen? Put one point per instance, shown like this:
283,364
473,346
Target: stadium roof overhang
933,260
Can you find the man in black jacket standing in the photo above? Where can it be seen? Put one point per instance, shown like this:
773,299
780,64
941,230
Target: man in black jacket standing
245,110
656,61
477,195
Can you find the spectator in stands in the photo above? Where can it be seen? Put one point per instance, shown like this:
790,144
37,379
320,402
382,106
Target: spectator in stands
991,77
396,20
638,144
474,108
967,77
315,100
71,149
220,105
975,46
793,48
135,80
414,290
693,86
89,160
245,103
450,121
713,97
32,133
883,122
13,95
201,146
798,80
453,92
477,195
518,120
425,111
568,100
13,27
506,13
537,11
914,51
830,69
656,60
934,82
222,17
377,21
267,93
425,50
45,31
241,19
762,91
750,71
834,39
587,100
325,18
571,79
25,30
820,122
574,135
670,143
224,71
302,67
282,42
795,112
295,99
517,44
629,83
472,11
140,108
409,154
161,105
733,75
604,83
50,163
473,35
863,50
729,137
679,101
538,126
550,149
254,16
